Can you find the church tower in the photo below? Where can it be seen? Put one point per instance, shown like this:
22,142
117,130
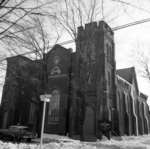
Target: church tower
95,77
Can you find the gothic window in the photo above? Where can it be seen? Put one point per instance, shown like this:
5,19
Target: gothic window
120,104
128,103
92,54
107,52
109,79
118,100
110,49
124,102
56,60
53,110
32,113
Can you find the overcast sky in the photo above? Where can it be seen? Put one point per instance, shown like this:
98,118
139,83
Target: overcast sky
126,40
132,39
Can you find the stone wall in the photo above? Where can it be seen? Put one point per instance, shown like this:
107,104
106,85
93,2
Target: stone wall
21,84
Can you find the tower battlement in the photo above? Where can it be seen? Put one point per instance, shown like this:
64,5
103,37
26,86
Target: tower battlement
99,26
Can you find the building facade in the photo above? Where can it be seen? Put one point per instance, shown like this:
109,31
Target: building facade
87,90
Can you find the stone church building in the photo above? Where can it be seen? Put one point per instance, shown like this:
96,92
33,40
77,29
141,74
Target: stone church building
87,90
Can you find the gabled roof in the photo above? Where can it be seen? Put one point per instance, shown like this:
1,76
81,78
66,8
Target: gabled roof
129,75
17,57
56,47
125,73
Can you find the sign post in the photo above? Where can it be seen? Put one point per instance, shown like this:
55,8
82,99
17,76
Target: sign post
45,98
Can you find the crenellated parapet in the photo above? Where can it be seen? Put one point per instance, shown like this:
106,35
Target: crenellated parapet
92,27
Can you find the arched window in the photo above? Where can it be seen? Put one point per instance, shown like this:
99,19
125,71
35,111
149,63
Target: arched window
107,52
124,102
109,79
118,101
32,113
53,110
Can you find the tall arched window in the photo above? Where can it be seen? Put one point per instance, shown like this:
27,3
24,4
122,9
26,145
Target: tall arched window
118,101
32,113
53,110
124,102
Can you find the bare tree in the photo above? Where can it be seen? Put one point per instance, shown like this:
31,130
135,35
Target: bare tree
141,60
17,25
13,13
71,14
36,41
21,29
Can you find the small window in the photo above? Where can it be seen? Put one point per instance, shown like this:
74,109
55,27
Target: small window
108,52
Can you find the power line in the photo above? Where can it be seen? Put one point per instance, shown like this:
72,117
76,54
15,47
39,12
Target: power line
132,5
131,24
113,29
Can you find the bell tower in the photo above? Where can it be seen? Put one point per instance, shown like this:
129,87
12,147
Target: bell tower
95,75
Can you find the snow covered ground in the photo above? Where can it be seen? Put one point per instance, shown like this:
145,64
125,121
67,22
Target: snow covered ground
60,142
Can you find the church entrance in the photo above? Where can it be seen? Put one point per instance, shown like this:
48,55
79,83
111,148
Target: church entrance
56,114
89,125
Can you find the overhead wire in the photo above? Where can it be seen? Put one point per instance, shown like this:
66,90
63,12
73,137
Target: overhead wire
72,41
132,5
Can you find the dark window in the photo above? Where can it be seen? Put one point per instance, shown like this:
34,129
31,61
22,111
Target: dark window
32,113
109,79
107,52
110,49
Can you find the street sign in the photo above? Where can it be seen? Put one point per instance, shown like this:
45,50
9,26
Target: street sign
45,97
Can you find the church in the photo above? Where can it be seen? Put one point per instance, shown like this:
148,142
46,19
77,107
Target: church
87,90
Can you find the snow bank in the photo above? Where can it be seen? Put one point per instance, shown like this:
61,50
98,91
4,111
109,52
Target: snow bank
8,145
70,145
132,142
129,142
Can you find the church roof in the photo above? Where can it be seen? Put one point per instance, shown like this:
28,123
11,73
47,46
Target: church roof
129,75
17,57
126,73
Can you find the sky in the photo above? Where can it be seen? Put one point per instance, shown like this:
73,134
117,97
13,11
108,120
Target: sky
131,40
128,40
